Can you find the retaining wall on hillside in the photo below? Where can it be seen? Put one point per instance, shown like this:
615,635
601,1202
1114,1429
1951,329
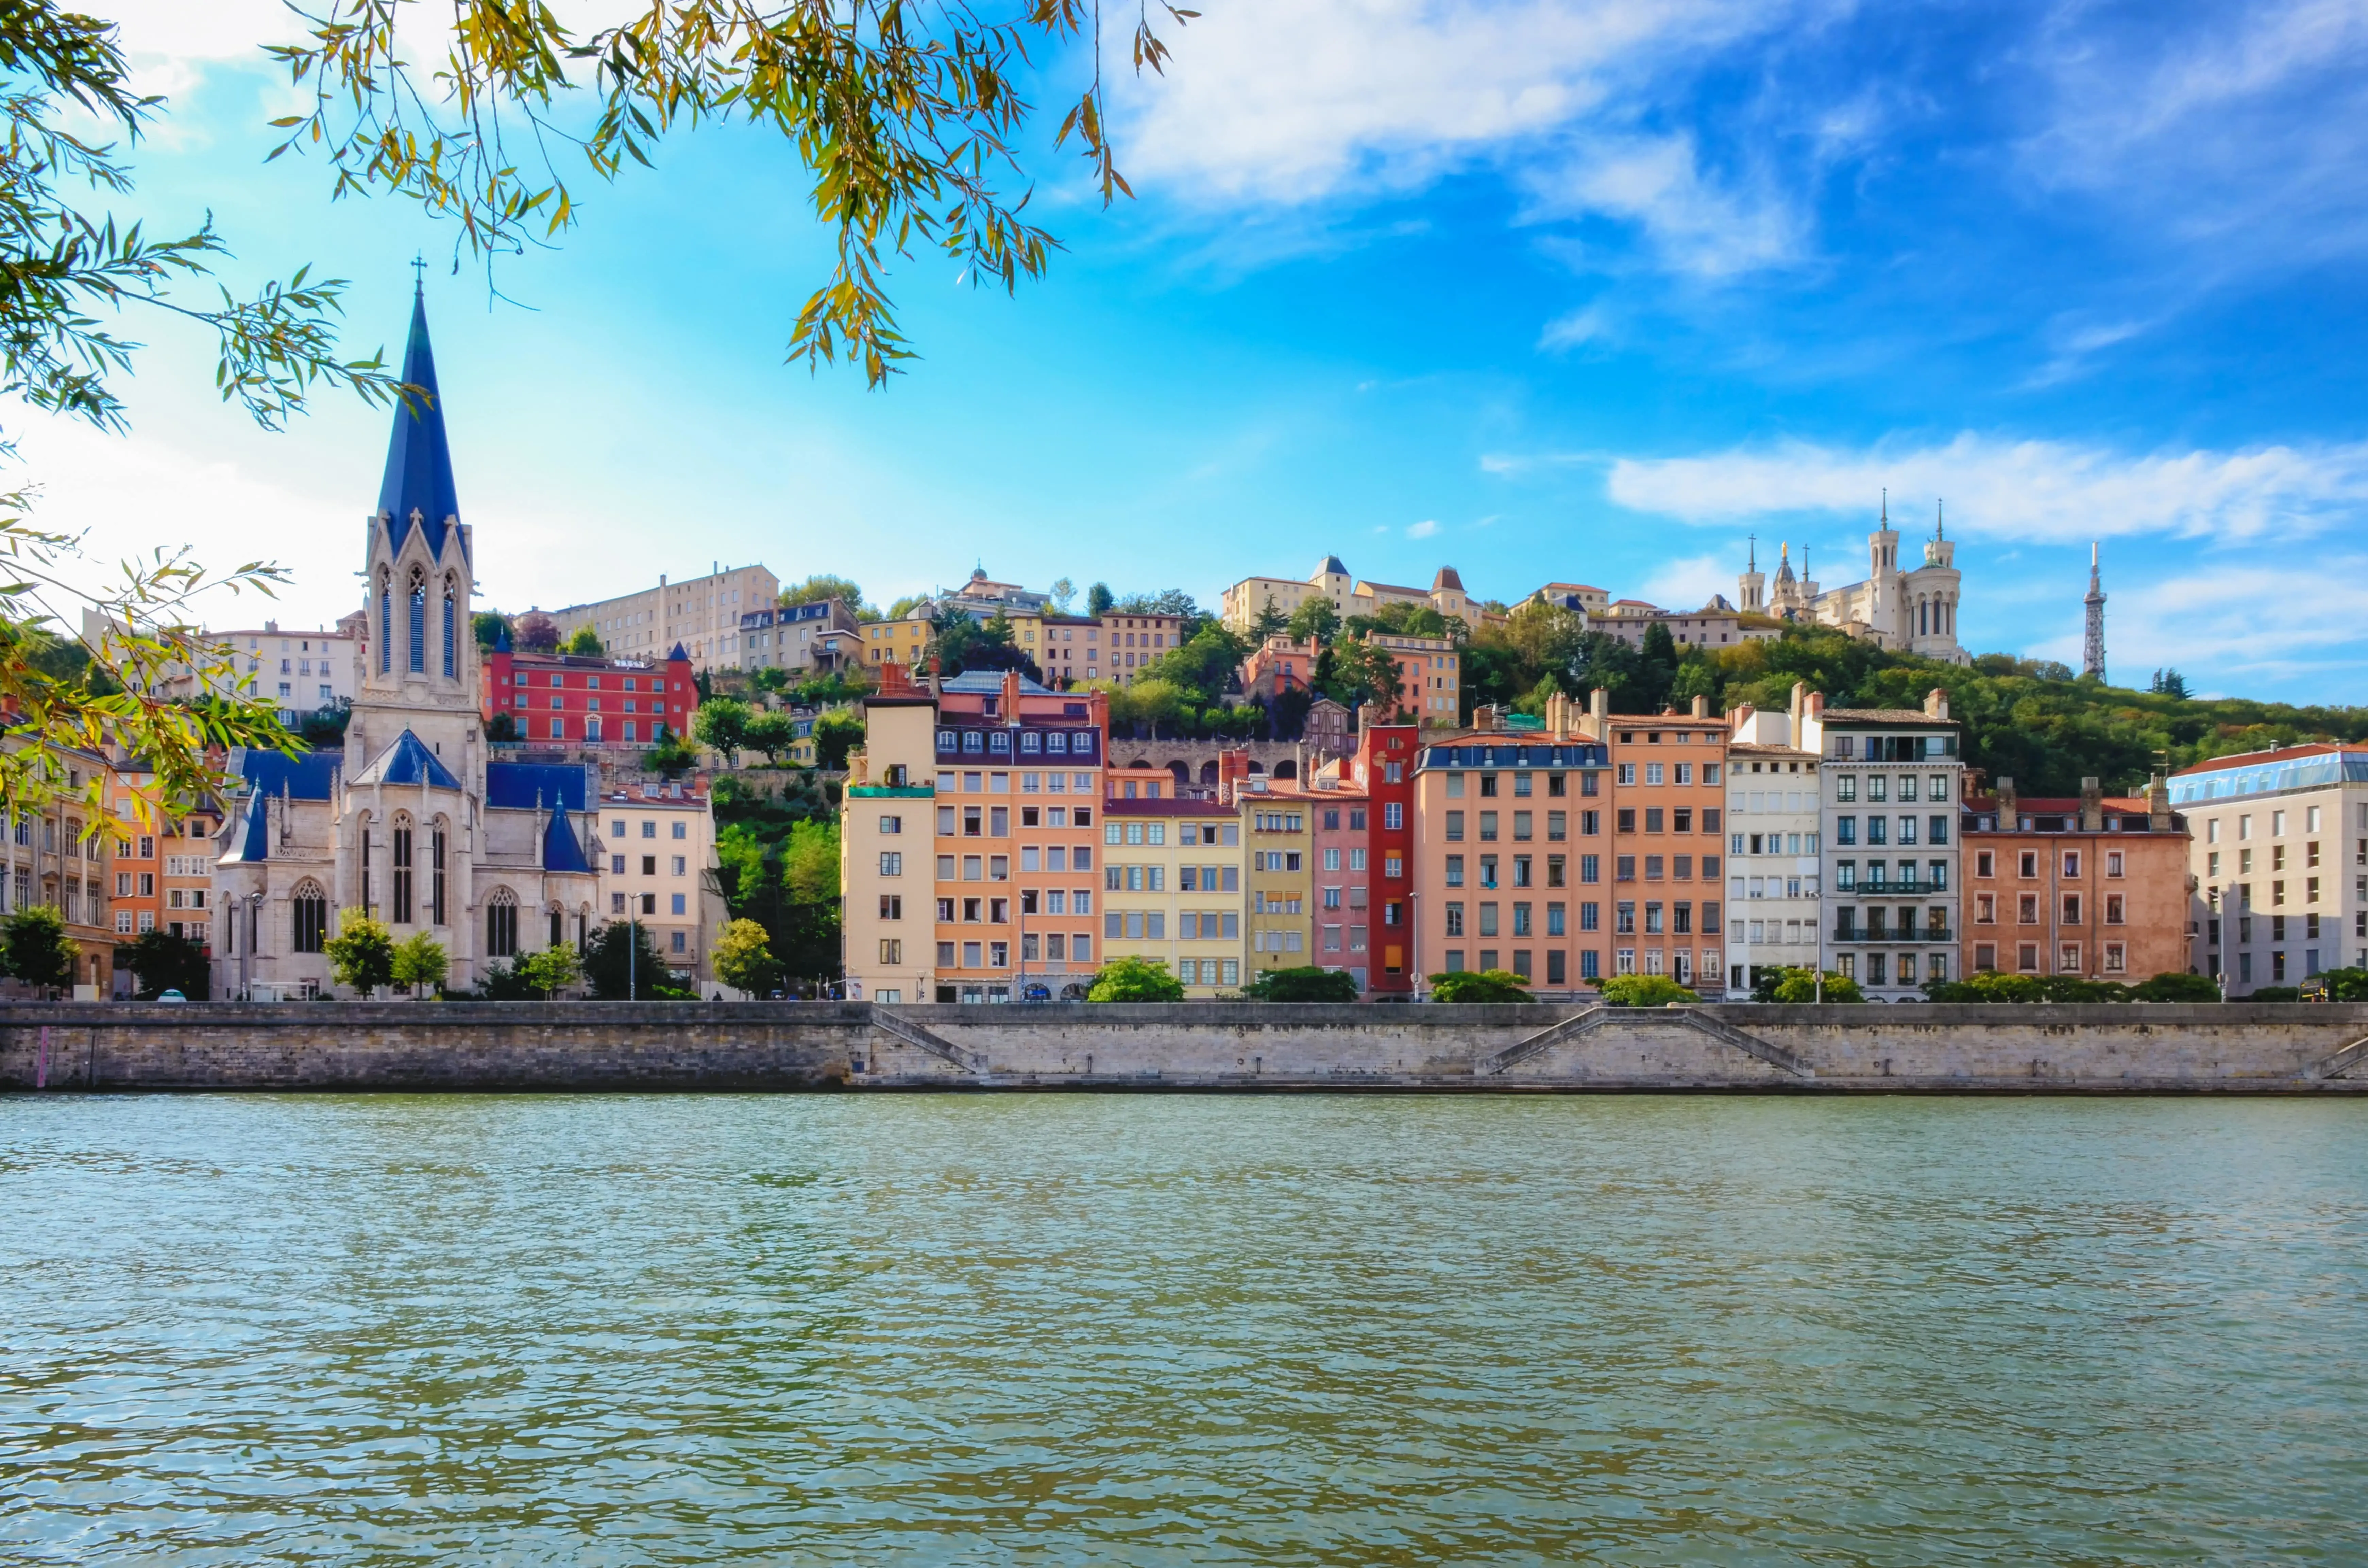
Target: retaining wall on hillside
2275,1047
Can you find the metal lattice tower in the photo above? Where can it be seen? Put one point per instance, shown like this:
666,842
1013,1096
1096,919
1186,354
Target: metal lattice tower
2092,653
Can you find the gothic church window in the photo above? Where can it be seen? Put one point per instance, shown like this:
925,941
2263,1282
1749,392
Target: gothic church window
308,913
401,913
385,624
418,625
501,924
452,668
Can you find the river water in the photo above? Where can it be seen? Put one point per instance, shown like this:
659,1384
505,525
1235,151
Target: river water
1181,1330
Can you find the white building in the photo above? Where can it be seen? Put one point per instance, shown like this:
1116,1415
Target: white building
1889,780
702,613
296,670
1912,609
2278,851
1772,818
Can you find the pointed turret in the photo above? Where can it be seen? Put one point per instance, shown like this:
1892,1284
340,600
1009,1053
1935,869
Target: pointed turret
417,487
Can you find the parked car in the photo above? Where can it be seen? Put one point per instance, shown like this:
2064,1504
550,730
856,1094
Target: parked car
170,995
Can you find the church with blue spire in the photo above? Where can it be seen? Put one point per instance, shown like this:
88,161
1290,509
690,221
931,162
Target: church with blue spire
413,821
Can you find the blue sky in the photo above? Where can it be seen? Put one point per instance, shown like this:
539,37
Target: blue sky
1558,290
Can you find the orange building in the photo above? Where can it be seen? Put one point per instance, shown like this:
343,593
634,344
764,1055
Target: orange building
1512,855
2095,886
1668,788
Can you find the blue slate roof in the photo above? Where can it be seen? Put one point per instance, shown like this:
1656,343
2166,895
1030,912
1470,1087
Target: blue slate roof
990,681
419,456
679,653
562,850
253,840
307,776
523,786
407,761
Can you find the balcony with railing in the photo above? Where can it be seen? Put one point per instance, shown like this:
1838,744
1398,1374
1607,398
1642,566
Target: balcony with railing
1893,937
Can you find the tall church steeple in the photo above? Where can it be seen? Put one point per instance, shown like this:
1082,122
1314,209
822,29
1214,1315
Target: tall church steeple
417,488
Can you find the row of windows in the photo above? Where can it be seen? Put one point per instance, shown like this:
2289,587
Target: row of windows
2307,924
1058,947
1032,743
2068,957
1878,927
1657,773
1879,967
994,821
1878,787
1557,784
618,826
649,864
2311,819
1881,876
2026,909
1878,829
1590,963
2277,858
1773,844
1192,925
1590,824
1188,832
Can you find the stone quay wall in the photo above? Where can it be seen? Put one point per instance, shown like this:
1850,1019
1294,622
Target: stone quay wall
2233,1047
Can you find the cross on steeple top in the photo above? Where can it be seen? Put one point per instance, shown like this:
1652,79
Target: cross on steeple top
418,273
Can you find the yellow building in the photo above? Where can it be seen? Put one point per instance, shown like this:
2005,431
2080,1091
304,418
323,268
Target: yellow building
886,852
1276,830
901,641
1172,884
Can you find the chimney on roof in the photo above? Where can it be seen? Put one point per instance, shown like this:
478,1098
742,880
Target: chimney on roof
1233,769
2009,815
1936,703
2092,806
1598,714
2158,804
1010,697
1485,716
1701,707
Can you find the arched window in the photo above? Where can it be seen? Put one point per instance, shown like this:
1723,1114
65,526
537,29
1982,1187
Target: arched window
308,914
400,913
418,625
385,624
558,926
437,840
501,924
452,647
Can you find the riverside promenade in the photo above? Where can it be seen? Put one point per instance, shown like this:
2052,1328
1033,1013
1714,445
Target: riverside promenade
2236,1048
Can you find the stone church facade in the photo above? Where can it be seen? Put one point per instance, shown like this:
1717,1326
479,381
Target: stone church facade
1912,609
412,821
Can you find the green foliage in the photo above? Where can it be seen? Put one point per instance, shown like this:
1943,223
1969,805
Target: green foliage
670,757
621,960
165,962
1645,991
823,586
1200,668
771,733
1406,619
505,983
1098,599
1481,986
584,643
904,608
501,727
836,735
361,955
1314,621
488,625
552,970
325,729
1362,672
1269,621
771,677
1302,985
743,958
1796,987
1064,593
36,949
2275,993
810,863
722,725
778,856
420,960
1135,980
2172,987
1985,985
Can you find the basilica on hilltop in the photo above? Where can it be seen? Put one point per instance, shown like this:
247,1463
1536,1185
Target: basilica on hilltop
1912,609
412,821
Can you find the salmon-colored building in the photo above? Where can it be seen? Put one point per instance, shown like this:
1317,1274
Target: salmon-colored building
1512,855
1669,785
2093,886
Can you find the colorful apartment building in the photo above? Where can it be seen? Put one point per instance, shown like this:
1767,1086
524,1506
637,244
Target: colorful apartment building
905,642
137,813
1512,858
1341,824
655,851
1668,839
1277,667
822,636
1137,641
574,699
1429,684
2091,886
1009,829
186,852
2279,858
1889,781
1384,770
1173,880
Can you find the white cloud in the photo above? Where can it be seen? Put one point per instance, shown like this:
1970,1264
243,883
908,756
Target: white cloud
1689,583
1574,330
2238,627
1283,104
2049,491
1423,529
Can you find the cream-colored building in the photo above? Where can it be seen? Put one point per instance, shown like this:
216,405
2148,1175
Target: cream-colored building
656,865
905,642
1173,880
296,670
1913,610
2278,860
702,613
1772,899
1246,600
885,849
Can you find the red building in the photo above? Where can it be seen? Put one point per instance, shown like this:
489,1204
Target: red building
563,697
1384,769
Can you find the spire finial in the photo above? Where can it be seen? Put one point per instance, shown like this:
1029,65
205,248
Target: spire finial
418,274
1754,565
1940,529
1886,506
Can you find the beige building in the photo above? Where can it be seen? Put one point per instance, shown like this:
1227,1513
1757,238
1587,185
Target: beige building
1913,608
296,670
1173,874
905,642
702,613
2278,858
1246,599
60,855
656,865
885,847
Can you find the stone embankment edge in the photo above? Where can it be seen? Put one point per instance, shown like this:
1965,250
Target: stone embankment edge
1203,1047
